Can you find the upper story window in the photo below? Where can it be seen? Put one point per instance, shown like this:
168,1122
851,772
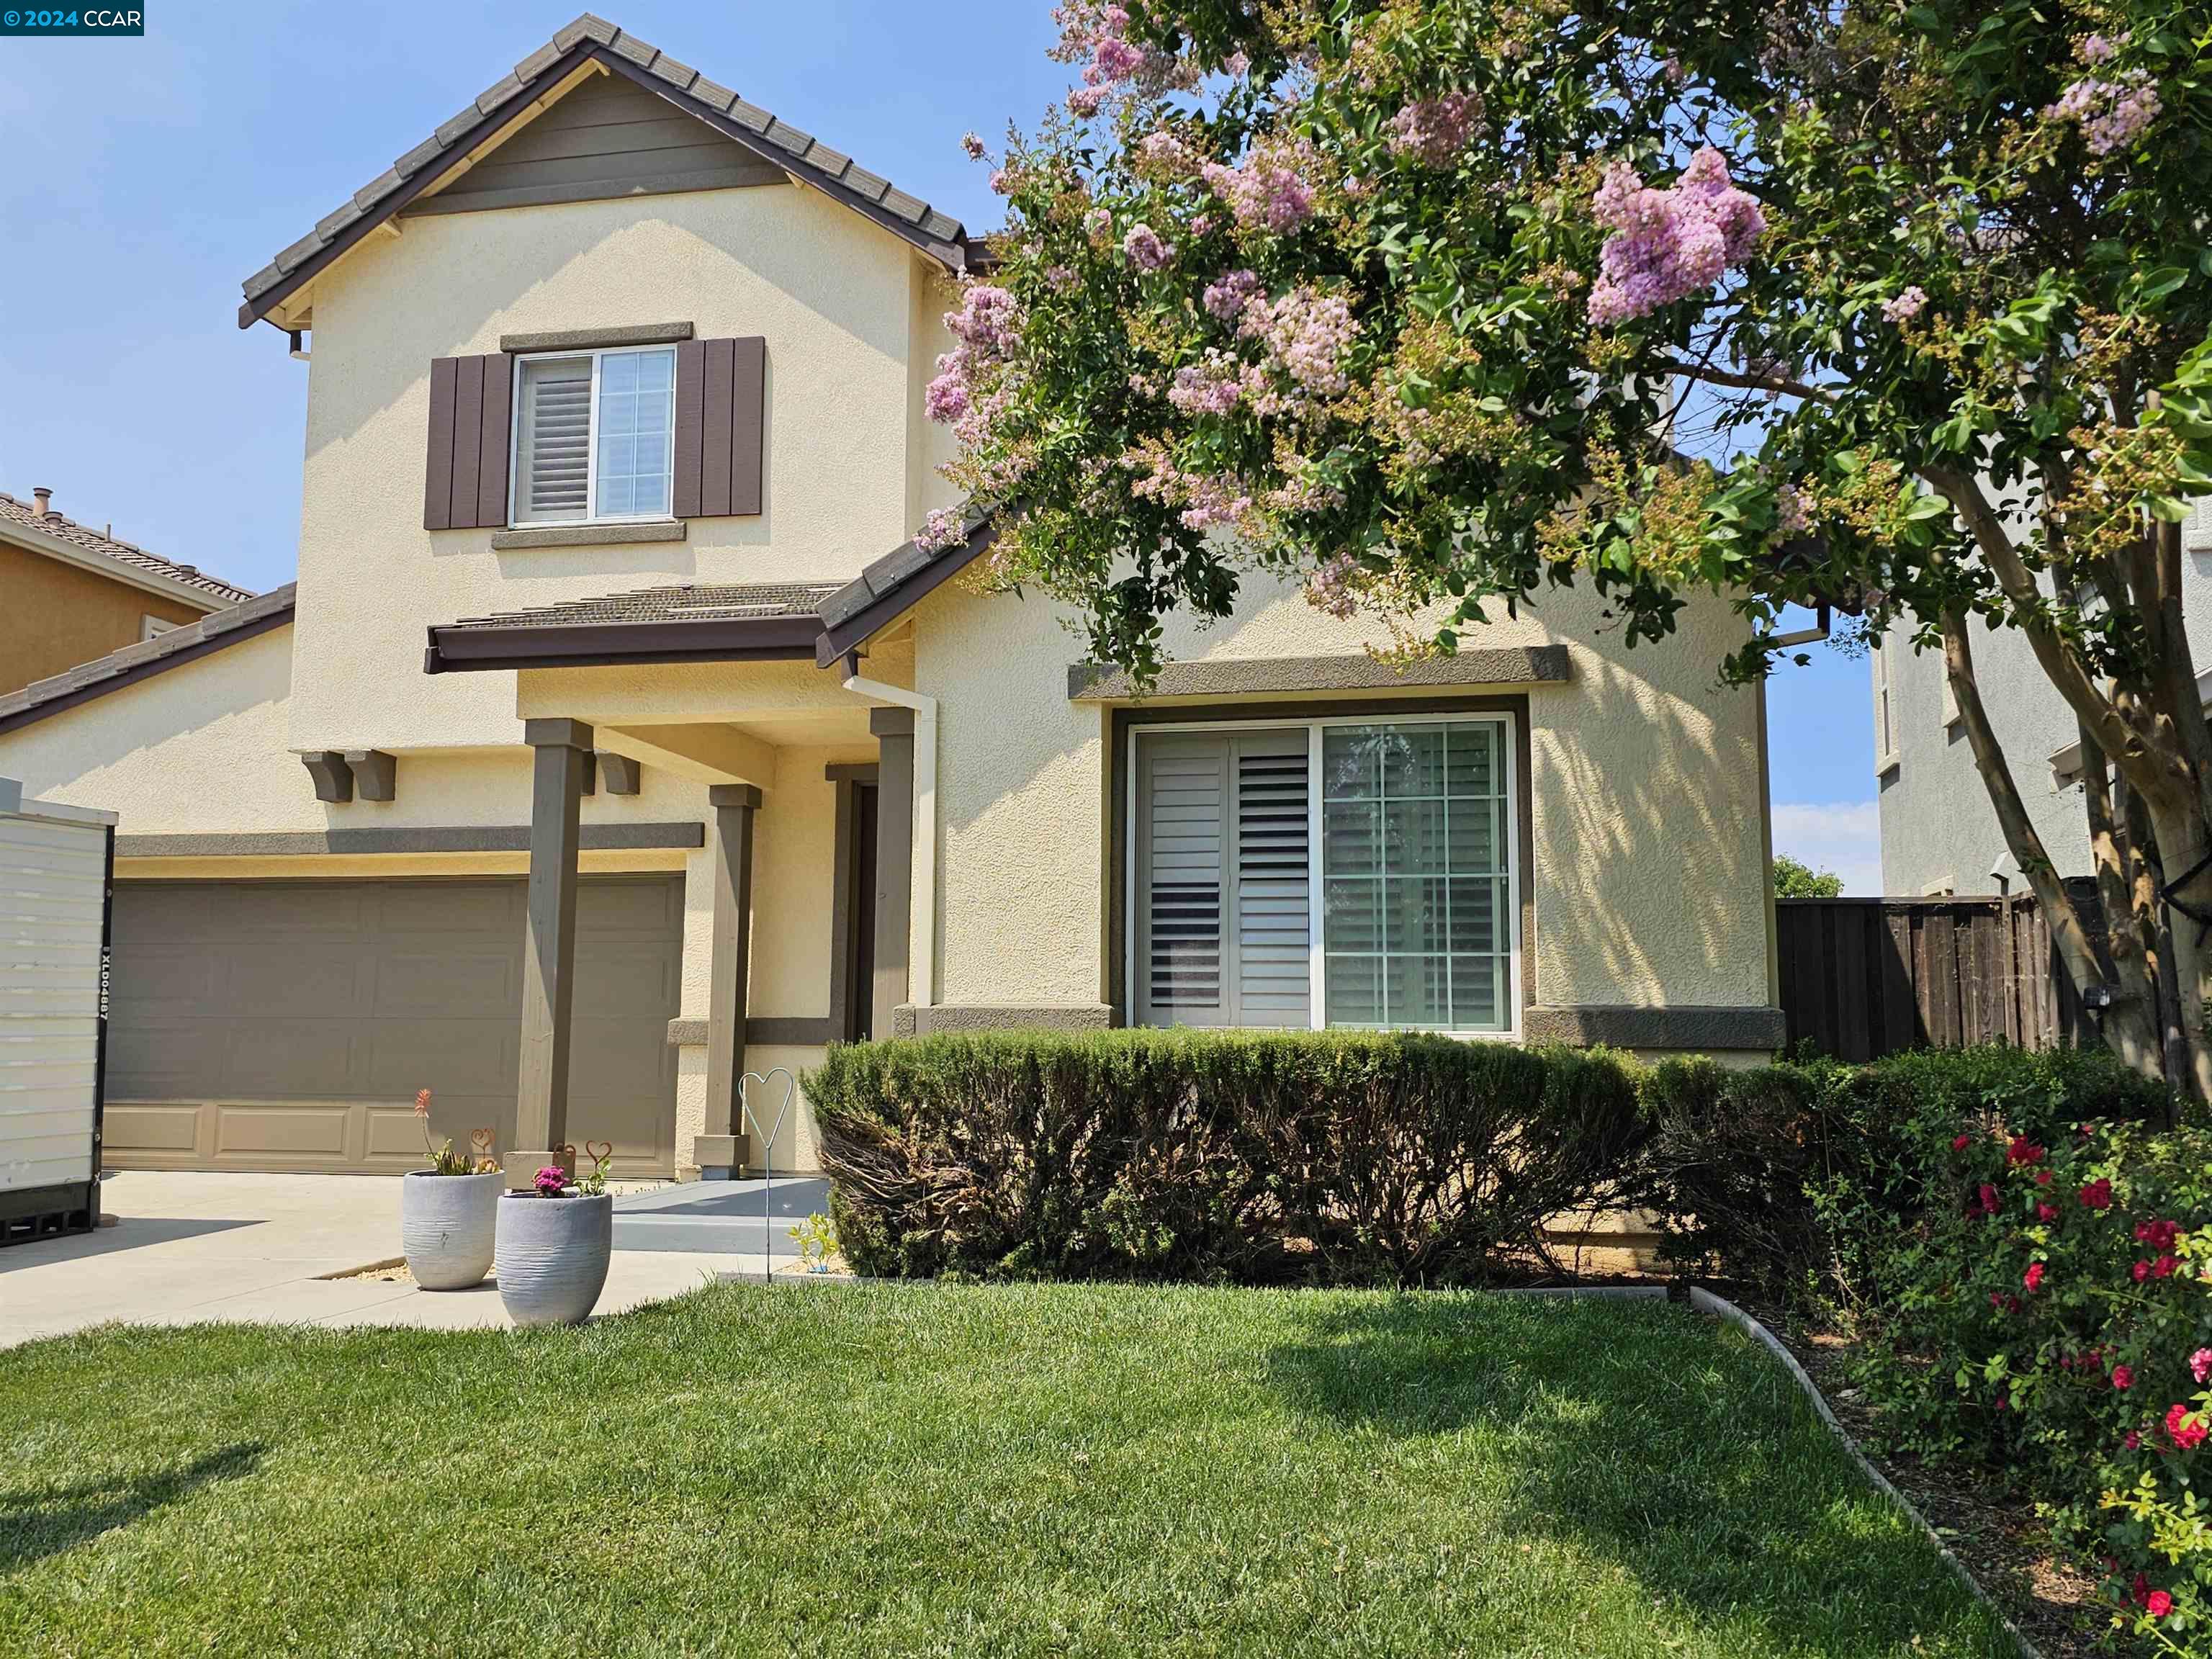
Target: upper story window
595,436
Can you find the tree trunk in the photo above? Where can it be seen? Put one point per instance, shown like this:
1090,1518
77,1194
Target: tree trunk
2068,935
2184,845
2131,1026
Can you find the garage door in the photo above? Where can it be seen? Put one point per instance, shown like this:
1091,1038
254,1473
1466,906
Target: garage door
287,1025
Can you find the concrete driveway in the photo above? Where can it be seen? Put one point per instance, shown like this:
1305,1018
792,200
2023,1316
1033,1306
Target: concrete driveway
190,1248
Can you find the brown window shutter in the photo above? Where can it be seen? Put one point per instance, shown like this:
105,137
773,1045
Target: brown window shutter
465,473
720,417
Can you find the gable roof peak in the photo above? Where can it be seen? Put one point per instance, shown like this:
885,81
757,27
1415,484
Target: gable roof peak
590,36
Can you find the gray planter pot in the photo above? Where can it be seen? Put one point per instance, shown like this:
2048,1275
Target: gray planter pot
552,1257
445,1227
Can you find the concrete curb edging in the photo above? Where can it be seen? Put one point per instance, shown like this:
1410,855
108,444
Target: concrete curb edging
1705,1302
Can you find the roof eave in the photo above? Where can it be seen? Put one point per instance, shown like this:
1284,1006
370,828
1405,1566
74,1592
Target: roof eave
131,575
857,624
461,648
953,256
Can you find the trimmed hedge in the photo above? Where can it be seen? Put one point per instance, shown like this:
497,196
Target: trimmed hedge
1323,1158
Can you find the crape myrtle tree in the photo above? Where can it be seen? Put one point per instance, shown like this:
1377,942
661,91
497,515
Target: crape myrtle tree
1407,302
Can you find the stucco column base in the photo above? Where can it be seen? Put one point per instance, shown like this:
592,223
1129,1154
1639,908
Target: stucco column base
720,1158
521,1166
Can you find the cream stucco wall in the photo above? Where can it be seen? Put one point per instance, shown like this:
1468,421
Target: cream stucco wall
838,301
1649,884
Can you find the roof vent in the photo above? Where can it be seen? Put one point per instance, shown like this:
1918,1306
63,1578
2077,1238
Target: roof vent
44,498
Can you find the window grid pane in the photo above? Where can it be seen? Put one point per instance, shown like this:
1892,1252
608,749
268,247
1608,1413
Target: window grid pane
637,398
1415,929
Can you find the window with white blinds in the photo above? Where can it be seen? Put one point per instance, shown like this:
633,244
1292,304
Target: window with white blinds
1401,831
595,436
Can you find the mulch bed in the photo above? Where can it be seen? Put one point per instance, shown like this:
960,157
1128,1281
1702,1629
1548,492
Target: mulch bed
1995,1532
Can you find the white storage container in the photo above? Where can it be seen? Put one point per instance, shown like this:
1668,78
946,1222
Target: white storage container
57,867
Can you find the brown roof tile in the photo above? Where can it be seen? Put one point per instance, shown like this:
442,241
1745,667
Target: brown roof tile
24,515
937,233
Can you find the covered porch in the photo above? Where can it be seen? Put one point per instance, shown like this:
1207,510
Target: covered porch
800,924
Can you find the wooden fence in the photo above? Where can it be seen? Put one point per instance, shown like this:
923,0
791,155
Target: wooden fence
1866,977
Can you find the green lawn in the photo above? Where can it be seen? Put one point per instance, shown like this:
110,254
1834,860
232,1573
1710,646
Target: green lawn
961,1471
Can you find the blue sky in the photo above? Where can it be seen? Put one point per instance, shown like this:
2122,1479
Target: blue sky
145,177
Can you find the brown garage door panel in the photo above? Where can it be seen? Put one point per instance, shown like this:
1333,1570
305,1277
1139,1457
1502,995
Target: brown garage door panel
279,1025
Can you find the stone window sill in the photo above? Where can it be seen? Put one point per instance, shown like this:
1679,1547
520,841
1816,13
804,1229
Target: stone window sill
590,535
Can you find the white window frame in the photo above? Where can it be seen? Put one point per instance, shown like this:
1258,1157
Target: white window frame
1317,974
1885,712
591,514
151,627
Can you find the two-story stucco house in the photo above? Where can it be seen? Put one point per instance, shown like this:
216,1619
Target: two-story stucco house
1939,832
70,592
617,740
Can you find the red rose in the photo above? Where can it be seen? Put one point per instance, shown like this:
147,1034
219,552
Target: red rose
2023,1151
2033,1276
2042,1177
2141,1271
2164,1267
2158,1604
2183,1428
1962,1143
2124,1377
2141,1589
2045,1213
2098,1194
2132,1441
1988,1196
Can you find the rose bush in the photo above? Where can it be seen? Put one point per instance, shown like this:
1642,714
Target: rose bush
2049,1314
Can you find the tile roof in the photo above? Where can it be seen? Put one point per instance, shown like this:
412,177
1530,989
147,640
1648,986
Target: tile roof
688,602
24,515
624,54
896,582
137,662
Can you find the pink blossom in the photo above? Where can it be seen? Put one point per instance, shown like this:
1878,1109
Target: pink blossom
2032,1278
1227,296
1207,388
947,399
2185,1427
1668,244
1328,590
1002,182
988,320
943,528
1098,224
1269,190
2200,1365
1236,65
973,144
2158,1604
1160,152
1085,100
1433,132
1145,248
2124,1377
1307,334
1790,518
550,1181
2112,114
1905,306
2094,49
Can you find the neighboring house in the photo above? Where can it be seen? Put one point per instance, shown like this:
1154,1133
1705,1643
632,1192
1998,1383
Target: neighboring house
615,406
69,592
1939,832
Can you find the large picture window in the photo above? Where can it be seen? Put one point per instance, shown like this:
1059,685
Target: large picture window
1331,872
595,436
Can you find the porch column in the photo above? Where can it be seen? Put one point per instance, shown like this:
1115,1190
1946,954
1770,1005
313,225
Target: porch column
894,872
723,1149
563,750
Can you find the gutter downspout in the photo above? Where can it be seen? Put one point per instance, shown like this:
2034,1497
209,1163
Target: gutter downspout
921,960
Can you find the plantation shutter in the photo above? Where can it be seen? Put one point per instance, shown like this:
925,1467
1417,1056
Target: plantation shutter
553,442
1183,834
466,469
1224,916
721,420
1272,901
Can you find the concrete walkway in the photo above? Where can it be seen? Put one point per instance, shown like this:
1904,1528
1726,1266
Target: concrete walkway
193,1248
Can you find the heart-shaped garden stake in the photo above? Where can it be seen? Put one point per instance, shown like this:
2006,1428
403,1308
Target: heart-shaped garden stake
768,1134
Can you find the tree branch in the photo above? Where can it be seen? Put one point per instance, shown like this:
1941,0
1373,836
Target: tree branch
1729,377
